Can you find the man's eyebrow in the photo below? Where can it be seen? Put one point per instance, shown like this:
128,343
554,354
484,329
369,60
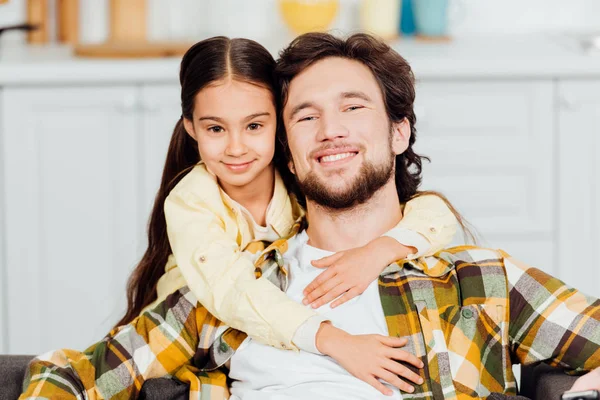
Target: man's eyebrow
356,94
300,107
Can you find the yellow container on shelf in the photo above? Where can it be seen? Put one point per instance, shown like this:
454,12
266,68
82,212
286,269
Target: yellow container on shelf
303,16
380,17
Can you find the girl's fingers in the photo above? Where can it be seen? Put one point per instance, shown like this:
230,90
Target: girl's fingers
392,341
327,261
400,370
349,295
393,380
402,355
330,295
321,290
379,386
318,281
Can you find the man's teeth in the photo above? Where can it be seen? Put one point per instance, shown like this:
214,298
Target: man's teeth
335,157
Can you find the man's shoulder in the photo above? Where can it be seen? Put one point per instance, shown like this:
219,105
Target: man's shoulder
474,255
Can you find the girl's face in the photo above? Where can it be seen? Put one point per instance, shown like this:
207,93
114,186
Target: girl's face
234,124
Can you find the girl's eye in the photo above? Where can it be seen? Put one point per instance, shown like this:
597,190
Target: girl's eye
253,127
215,129
353,108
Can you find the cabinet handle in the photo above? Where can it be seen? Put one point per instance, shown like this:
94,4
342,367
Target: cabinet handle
128,104
569,102
420,113
150,107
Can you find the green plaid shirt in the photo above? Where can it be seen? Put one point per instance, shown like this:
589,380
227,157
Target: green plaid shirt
468,312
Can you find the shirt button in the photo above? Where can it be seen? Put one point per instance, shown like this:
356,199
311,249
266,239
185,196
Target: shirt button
223,347
283,346
467,313
202,259
432,230
278,258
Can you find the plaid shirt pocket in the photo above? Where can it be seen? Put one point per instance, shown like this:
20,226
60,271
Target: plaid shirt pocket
467,349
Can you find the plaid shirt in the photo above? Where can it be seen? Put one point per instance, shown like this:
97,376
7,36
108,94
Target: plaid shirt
467,311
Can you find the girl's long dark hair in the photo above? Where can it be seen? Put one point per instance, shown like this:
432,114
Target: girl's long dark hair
206,62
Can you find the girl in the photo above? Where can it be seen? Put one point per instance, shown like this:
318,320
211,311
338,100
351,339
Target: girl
213,209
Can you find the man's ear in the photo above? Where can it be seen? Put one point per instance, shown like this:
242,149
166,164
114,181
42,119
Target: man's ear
291,167
400,136
189,128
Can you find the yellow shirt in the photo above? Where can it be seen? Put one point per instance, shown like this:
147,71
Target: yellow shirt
208,231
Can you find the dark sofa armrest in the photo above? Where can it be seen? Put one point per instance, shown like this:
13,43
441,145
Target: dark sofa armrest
544,382
12,372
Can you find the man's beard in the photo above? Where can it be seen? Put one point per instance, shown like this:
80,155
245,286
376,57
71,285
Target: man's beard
370,179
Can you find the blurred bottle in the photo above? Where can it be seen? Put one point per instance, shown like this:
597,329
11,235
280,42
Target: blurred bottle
431,17
37,14
380,17
67,13
407,18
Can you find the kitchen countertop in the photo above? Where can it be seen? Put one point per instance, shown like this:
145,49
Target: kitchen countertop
485,57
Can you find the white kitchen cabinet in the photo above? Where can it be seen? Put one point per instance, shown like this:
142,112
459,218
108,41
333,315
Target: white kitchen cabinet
578,172
71,196
3,279
491,145
161,110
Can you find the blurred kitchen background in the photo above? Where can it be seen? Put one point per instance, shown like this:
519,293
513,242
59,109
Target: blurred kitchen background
508,107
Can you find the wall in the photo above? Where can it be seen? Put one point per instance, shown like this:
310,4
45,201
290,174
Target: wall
177,19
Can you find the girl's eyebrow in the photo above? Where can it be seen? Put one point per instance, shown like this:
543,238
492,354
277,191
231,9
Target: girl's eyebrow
256,115
248,118
211,118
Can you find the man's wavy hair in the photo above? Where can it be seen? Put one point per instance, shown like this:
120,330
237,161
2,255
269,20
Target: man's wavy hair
396,81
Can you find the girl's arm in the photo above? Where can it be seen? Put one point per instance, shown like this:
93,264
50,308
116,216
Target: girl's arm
428,225
222,277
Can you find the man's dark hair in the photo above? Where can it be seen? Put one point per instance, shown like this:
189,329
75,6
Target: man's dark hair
392,72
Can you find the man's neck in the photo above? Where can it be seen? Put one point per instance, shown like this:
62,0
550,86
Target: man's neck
334,230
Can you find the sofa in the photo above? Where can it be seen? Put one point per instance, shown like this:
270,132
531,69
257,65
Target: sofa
539,382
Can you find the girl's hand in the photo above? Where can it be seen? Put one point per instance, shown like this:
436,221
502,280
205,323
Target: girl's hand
370,358
350,272
589,381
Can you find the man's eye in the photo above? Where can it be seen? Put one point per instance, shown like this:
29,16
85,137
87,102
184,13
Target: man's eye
353,108
253,127
215,129
307,119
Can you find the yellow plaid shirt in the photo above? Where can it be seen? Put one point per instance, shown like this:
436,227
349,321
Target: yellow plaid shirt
468,313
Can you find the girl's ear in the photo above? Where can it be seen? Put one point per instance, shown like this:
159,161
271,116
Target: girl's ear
189,128
400,136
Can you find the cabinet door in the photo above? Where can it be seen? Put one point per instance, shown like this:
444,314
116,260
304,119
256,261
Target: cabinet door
3,282
578,170
161,110
491,145
71,188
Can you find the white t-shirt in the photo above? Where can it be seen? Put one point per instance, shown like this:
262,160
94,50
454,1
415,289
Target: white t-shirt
264,372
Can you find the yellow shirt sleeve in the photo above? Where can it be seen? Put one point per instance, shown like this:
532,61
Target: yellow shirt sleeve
222,277
429,216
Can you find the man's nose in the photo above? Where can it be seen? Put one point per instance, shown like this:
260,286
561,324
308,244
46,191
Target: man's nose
331,128
236,146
